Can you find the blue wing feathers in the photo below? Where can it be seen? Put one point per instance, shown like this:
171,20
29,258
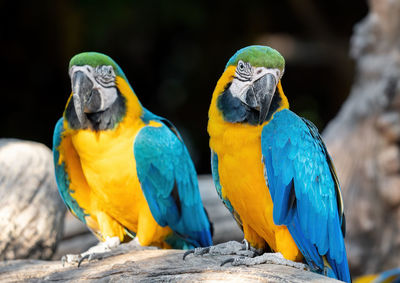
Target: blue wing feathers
162,163
295,158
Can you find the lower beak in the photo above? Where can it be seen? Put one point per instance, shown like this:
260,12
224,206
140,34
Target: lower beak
260,94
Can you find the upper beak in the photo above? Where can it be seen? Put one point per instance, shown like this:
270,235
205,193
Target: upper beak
80,86
260,94
86,98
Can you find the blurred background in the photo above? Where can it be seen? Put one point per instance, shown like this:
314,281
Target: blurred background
173,53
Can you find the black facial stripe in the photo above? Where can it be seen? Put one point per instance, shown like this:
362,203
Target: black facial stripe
99,121
242,79
246,72
235,111
104,75
105,84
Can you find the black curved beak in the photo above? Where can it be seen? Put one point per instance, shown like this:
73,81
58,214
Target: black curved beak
86,99
260,94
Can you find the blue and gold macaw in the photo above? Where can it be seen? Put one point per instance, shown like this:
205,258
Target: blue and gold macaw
388,276
122,170
271,168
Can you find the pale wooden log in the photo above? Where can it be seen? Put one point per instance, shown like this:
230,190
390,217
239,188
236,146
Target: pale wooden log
131,263
77,237
31,211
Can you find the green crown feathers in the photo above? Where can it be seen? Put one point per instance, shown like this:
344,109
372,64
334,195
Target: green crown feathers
95,59
258,56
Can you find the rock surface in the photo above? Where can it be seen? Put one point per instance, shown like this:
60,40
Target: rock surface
31,211
132,263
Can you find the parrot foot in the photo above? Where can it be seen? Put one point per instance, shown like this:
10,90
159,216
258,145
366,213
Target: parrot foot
96,252
271,258
228,248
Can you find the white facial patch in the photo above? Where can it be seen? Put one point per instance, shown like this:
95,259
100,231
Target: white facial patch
246,75
103,79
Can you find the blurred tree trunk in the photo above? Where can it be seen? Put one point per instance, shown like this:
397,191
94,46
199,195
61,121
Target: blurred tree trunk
31,210
364,142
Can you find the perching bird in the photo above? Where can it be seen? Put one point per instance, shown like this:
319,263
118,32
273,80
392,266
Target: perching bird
271,167
122,170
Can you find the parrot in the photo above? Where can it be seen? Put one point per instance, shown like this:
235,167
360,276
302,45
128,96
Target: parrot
271,168
122,170
388,276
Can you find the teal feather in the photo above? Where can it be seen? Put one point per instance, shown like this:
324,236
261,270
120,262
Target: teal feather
294,153
62,177
163,165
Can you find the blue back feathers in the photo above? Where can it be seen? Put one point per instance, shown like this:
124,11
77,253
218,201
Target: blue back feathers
169,182
304,191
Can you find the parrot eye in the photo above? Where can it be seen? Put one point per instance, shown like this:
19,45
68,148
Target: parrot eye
244,70
105,75
241,66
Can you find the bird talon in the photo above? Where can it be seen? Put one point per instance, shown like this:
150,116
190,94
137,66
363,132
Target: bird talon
83,258
196,252
202,251
187,253
246,244
227,261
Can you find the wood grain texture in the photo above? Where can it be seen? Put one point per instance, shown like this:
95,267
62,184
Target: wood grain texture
131,263
364,139
31,211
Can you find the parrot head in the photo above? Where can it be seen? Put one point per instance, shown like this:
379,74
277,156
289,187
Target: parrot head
249,91
96,102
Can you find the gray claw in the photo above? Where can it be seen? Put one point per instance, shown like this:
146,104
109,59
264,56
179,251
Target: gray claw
246,244
187,253
83,258
227,261
197,251
203,251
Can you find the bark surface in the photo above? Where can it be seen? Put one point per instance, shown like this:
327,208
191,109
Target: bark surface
131,263
364,140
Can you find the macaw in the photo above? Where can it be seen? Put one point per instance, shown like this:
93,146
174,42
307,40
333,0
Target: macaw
271,168
122,170
388,276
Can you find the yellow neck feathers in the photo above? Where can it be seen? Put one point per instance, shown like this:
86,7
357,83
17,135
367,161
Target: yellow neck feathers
215,114
133,107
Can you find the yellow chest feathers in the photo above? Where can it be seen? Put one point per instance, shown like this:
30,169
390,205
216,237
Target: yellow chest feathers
107,159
